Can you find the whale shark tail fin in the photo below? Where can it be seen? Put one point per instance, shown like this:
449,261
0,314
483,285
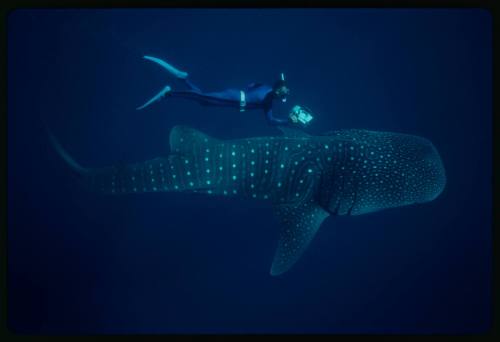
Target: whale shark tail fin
77,168
179,171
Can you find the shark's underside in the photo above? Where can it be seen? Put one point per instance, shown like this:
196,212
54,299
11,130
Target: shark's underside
306,178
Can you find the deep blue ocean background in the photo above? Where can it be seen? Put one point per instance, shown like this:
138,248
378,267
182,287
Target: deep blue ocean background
187,263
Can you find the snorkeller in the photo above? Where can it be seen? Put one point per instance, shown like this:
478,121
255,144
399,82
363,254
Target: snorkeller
256,96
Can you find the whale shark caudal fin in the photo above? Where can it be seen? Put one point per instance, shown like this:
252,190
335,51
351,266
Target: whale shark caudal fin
77,168
177,171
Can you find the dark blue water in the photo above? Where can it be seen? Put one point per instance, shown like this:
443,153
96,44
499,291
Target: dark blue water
161,263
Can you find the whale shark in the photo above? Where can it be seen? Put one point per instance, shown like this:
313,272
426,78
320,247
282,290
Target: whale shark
306,178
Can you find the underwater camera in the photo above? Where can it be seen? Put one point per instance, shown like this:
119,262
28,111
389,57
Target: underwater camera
300,115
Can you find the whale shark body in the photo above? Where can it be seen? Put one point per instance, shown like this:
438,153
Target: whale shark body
305,178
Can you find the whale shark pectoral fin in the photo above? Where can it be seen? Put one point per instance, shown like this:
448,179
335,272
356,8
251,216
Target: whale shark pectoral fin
299,224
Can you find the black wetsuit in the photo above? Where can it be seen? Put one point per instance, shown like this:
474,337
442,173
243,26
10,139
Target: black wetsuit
257,96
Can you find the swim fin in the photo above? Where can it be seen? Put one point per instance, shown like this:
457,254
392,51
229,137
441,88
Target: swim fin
170,68
155,98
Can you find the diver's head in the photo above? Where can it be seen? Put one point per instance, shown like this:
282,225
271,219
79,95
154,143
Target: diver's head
280,89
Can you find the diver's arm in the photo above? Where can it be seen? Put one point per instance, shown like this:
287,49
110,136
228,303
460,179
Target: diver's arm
274,120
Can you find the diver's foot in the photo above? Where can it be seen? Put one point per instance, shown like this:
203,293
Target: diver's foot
157,97
170,68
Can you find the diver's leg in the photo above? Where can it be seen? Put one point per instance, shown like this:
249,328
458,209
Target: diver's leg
170,68
196,96
191,85
191,95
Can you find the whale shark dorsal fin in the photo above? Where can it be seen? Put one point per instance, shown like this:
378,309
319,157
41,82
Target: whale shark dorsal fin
183,139
299,224
293,132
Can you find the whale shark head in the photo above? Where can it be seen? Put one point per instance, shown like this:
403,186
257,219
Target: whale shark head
426,174
388,170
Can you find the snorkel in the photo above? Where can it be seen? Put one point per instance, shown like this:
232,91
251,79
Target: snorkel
280,88
283,80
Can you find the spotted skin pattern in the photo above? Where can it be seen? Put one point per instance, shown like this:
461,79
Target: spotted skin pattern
306,178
